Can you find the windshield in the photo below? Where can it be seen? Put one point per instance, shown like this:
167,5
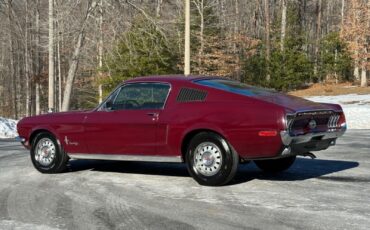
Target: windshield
235,87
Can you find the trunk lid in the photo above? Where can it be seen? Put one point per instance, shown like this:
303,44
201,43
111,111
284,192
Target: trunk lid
293,103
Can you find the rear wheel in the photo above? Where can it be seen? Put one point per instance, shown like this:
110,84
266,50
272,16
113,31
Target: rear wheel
210,160
47,155
276,165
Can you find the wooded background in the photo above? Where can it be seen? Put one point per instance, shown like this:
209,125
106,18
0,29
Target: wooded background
80,49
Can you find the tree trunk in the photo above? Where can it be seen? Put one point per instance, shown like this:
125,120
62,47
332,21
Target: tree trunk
72,71
51,106
221,3
11,67
366,42
27,66
75,60
318,37
342,14
267,37
59,71
283,24
100,49
356,70
363,74
38,61
236,39
201,33
158,8
187,39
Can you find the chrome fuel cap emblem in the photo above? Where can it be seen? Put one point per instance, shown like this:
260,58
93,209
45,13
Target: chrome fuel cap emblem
312,124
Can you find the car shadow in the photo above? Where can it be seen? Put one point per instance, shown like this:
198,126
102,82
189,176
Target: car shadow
302,169
132,167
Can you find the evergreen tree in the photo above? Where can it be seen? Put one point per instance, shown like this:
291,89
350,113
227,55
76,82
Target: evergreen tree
288,68
142,50
335,59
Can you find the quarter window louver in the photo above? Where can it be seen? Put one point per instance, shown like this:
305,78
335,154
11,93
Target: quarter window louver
188,95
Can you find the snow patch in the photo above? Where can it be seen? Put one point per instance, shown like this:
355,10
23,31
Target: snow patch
356,108
8,128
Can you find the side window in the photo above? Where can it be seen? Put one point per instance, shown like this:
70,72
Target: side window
141,96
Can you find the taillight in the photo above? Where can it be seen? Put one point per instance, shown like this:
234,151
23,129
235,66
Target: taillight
289,121
336,121
342,121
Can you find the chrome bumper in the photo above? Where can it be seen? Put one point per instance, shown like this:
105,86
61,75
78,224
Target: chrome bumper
23,141
288,140
20,139
291,141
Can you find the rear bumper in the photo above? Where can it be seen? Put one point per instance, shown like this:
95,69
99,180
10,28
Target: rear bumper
295,145
288,140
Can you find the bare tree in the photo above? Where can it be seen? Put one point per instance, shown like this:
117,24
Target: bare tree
318,35
75,58
283,23
51,103
267,36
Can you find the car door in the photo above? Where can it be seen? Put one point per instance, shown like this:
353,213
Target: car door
127,122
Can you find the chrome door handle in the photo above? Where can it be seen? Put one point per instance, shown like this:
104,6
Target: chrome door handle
153,114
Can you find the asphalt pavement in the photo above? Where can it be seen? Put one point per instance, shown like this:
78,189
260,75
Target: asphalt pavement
330,192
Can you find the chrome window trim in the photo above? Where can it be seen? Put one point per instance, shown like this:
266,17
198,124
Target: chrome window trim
126,157
121,86
100,106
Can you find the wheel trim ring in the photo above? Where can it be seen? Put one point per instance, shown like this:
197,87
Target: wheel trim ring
45,152
207,159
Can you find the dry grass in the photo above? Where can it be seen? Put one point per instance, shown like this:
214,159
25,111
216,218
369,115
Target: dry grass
322,89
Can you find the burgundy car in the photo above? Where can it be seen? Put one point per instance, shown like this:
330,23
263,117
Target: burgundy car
212,124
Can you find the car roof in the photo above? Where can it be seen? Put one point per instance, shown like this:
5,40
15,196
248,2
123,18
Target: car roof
169,78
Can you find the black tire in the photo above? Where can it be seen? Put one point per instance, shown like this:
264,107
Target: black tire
276,165
58,163
226,167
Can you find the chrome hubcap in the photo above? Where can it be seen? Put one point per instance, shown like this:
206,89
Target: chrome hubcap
45,152
207,159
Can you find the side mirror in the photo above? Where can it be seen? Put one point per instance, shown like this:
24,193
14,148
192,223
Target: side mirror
109,105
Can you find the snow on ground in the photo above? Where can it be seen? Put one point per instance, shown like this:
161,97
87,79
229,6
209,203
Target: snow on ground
356,108
8,128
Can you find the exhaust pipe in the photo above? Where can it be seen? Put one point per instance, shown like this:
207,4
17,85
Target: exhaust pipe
308,154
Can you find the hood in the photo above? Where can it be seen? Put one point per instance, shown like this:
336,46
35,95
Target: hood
52,117
58,114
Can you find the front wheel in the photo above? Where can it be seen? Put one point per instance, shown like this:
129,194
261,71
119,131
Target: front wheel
210,160
47,155
276,165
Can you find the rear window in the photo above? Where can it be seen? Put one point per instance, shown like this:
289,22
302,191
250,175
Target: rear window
235,87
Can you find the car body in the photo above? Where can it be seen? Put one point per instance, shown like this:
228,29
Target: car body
157,118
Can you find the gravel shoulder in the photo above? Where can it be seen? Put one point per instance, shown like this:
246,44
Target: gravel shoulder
330,192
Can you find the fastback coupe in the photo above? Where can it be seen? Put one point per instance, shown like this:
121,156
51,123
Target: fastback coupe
211,124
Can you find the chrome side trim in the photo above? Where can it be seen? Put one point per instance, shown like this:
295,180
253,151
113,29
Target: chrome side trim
125,157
